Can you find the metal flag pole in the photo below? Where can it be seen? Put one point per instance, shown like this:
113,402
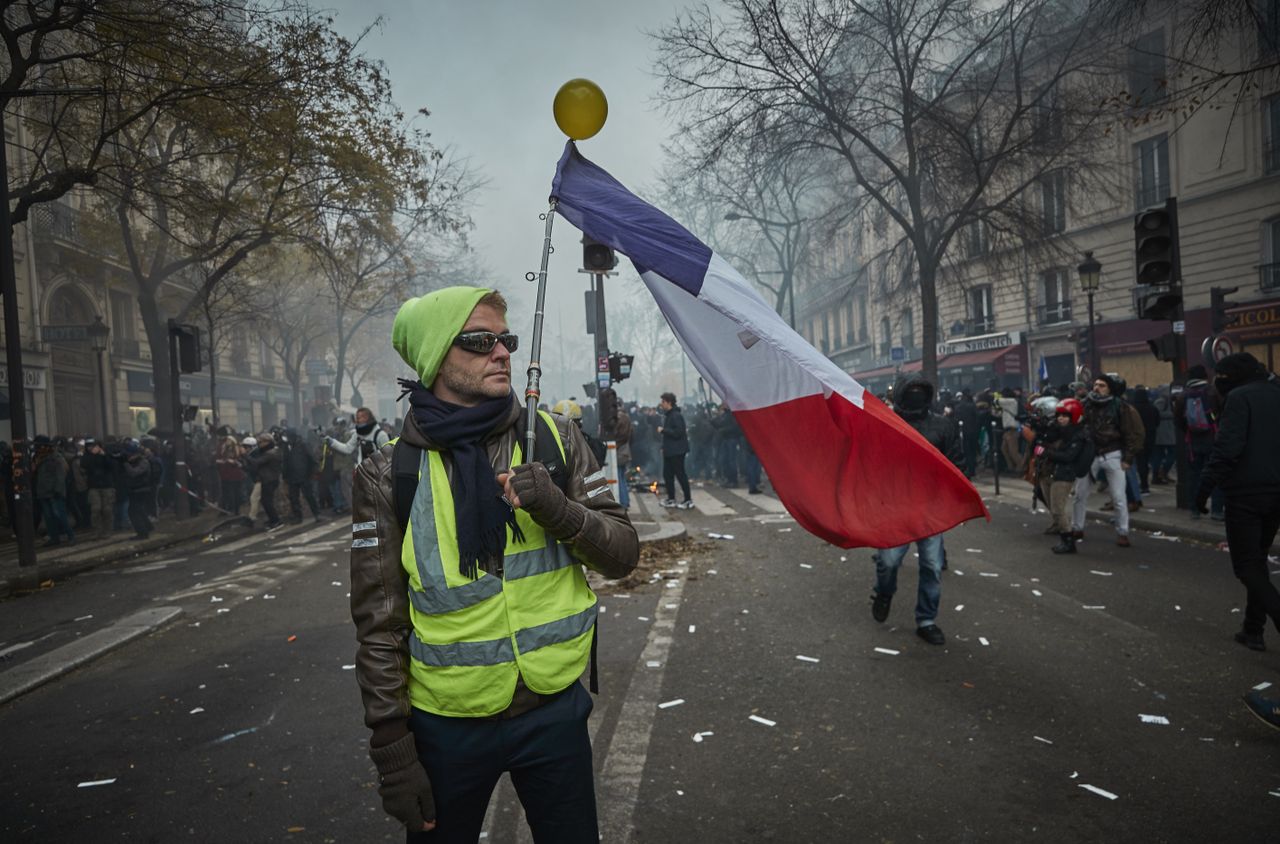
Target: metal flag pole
533,392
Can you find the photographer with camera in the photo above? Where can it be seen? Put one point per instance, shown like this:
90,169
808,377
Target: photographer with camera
356,445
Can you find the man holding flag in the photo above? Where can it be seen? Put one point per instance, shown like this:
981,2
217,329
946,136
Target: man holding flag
864,476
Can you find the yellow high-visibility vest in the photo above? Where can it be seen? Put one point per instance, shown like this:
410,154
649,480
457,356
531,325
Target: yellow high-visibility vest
471,638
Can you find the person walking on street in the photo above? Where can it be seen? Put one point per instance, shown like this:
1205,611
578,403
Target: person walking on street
299,465
965,416
342,455
622,437
1117,434
1069,454
1244,464
1195,413
913,401
1150,416
137,472
50,473
675,446
1164,456
473,617
267,464
102,494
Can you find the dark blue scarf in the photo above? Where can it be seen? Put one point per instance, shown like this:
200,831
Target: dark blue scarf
480,512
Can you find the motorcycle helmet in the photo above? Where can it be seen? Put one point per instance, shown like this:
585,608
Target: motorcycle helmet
1072,408
567,409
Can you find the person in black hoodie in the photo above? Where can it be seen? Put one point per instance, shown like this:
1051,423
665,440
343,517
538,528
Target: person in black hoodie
913,400
100,472
1069,451
675,445
137,476
1245,464
299,464
266,463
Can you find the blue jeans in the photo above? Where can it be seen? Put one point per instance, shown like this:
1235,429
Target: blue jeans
1133,484
547,751
120,514
54,512
929,591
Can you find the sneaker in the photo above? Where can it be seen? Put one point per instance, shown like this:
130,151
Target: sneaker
753,490
880,606
1122,540
1266,709
932,634
668,502
685,505
1252,641
274,526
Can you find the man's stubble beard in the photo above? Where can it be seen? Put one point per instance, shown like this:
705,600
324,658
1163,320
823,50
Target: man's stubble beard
473,386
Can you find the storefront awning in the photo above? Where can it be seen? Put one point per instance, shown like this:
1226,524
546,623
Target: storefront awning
884,371
985,357
1005,359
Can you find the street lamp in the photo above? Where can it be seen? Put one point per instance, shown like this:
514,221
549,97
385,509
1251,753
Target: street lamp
787,264
98,333
1090,271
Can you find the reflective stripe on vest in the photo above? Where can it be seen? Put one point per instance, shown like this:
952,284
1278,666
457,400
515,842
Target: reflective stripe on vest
471,638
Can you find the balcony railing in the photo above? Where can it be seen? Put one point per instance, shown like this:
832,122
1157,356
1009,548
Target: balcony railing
1053,314
1269,276
1152,195
980,325
57,220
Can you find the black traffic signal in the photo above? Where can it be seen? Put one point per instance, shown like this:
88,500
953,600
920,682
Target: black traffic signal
1155,243
188,337
607,404
1156,303
597,257
620,366
1165,347
1218,304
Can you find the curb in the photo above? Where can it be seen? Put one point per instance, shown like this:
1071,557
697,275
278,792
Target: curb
23,678
31,578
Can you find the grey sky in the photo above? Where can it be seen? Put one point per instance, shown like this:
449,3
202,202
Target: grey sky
488,71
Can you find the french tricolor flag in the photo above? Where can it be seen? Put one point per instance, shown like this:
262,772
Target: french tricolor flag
846,466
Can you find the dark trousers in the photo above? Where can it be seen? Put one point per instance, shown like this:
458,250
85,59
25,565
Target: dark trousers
673,470
1195,468
269,501
139,510
1252,522
547,752
1144,470
752,470
54,511
296,493
970,444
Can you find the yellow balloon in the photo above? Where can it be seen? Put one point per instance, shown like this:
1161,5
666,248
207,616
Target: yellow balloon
580,108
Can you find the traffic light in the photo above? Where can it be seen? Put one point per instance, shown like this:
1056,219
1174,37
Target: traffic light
597,257
1165,347
1081,337
1155,243
620,366
1156,303
607,404
188,347
1218,303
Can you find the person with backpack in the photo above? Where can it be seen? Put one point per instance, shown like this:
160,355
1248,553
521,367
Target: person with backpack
1117,434
473,616
1195,413
1069,454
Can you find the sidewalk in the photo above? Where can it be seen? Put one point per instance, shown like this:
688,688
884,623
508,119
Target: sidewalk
1159,513
62,561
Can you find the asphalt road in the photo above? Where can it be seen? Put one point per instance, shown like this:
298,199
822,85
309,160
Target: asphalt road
220,728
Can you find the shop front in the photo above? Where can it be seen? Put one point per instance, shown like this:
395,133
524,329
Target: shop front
244,405
992,361
1257,331
33,385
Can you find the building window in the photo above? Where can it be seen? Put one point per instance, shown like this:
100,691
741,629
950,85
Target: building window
1148,81
1271,133
266,360
122,324
239,351
862,316
1055,294
1053,196
1047,116
886,342
975,239
982,318
1269,29
848,324
908,329
826,333
1269,269
1151,168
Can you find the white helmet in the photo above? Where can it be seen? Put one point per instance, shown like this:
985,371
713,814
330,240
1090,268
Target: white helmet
249,442
1045,406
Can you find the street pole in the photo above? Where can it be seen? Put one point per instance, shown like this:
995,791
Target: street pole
602,351
181,506
23,516
1093,346
1182,495
102,392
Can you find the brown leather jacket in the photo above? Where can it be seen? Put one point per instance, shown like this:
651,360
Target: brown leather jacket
606,543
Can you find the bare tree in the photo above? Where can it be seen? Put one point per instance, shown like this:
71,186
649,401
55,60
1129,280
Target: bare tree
942,113
293,321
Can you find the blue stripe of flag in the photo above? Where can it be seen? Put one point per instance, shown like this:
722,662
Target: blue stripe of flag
607,212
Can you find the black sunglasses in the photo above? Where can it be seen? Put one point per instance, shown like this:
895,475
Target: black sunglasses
482,342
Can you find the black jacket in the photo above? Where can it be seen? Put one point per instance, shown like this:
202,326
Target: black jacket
1070,451
941,433
266,464
967,412
98,469
298,461
675,440
1246,454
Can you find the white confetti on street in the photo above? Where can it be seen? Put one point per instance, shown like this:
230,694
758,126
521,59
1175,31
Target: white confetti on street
983,641
959,607
764,721
1037,593
1092,607
1100,573
1154,719
1100,792
671,703
1039,738
698,737
92,783
888,651
693,628
804,658
1261,686
988,574
196,711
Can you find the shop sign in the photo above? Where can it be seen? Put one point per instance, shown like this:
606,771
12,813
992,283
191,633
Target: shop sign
32,379
1257,321
979,344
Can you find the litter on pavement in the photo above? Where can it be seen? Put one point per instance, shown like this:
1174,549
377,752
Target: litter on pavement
1092,607
642,618
1100,573
1039,738
1261,686
196,711
671,703
1154,719
764,721
720,536
92,783
653,663
973,550
982,640
959,607
84,618
888,651
692,628
804,658
1037,593
805,566
988,574
698,737
351,667
1098,791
